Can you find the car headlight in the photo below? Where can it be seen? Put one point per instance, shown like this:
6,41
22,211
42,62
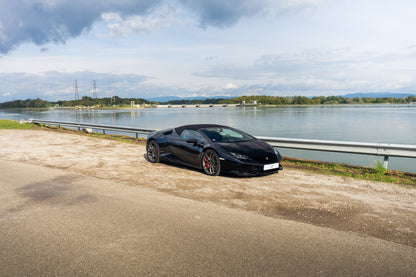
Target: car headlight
277,153
239,156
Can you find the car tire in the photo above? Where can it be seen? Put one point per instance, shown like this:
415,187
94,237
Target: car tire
152,151
211,163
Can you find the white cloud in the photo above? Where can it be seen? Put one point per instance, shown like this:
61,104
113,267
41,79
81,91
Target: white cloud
112,16
160,17
231,86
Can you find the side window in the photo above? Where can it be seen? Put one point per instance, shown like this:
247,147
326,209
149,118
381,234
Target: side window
191,134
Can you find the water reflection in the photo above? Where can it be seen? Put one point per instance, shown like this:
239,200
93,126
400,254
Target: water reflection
114,117
77,116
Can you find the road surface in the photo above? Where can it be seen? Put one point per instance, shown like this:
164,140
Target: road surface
59,223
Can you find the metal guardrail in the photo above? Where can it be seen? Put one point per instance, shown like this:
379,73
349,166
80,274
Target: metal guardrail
363,148
375,149
104,128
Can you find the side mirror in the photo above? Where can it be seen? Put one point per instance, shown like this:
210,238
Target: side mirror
193,141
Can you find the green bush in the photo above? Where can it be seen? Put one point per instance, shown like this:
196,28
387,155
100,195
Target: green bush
380,169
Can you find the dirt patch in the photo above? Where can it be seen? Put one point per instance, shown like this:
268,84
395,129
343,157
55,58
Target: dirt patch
376,209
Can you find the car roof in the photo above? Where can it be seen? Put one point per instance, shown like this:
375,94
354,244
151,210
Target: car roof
196,127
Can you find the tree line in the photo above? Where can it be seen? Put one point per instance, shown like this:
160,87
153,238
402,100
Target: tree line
85,101
258,99
296,100
321,100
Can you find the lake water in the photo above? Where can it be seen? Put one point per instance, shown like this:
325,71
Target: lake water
362,123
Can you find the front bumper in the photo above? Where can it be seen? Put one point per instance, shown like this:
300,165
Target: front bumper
247,170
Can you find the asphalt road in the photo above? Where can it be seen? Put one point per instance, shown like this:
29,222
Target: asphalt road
59,223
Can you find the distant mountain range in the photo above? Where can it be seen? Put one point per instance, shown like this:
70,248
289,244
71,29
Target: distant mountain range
378,95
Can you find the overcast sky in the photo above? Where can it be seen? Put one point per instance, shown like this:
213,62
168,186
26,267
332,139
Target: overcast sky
206,47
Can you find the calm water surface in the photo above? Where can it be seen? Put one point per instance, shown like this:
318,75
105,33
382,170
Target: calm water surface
363,123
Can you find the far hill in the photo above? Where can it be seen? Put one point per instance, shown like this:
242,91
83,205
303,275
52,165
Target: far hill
378,95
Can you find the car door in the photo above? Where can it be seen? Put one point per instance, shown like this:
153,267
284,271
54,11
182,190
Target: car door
188,147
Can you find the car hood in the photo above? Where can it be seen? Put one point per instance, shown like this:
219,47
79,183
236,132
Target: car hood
257,150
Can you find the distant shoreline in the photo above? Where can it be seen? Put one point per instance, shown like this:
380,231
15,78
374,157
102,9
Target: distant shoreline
255,100
187,106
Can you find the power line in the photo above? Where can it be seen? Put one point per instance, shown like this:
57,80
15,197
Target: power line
76,90
94,89
113,96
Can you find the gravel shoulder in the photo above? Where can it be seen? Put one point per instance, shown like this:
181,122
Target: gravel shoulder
380,210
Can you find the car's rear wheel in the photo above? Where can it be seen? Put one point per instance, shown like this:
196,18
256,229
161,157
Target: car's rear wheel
211,163
152,150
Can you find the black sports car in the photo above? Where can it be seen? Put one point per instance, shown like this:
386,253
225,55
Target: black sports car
213,148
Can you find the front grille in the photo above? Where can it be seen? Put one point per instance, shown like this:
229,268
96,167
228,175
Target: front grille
247,170
266,159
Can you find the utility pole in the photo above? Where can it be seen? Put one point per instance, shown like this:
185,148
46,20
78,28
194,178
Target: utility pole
94,89
113,96
76,90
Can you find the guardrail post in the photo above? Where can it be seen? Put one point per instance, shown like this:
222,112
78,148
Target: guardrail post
137,135
386,162
103,131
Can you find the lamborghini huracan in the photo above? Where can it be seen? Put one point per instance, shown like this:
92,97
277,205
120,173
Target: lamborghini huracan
213,148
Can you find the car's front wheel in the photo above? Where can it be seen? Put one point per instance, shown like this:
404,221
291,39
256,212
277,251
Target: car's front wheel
211,163
152,151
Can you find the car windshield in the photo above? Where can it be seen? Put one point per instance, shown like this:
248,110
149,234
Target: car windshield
225,134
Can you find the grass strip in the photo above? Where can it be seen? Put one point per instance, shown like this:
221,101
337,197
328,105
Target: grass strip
12,124
377,173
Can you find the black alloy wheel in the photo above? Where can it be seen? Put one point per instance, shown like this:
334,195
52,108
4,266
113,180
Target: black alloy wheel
211,163
152,150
